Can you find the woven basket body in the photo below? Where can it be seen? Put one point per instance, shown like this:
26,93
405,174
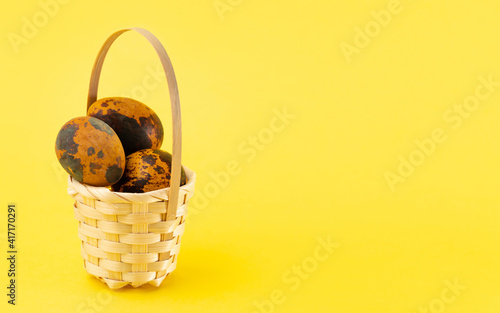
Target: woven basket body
126,237
134,238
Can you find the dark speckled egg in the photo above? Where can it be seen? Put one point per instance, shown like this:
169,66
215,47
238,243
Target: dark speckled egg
90,151
134,122
147,170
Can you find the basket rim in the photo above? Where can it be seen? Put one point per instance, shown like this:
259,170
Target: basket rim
75,186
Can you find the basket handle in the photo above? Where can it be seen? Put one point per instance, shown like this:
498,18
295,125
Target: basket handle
174,100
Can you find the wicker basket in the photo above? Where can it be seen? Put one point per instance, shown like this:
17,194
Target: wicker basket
133,238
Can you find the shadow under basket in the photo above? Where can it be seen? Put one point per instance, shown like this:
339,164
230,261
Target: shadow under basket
126,237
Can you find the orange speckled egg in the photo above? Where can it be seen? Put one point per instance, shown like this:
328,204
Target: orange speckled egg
147,170
134,122
90,151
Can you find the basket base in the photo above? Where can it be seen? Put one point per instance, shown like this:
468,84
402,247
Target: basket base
117,284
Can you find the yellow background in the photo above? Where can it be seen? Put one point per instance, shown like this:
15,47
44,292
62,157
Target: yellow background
321,176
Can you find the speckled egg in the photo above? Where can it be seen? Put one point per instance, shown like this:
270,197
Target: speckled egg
90,151
147,170
135,123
